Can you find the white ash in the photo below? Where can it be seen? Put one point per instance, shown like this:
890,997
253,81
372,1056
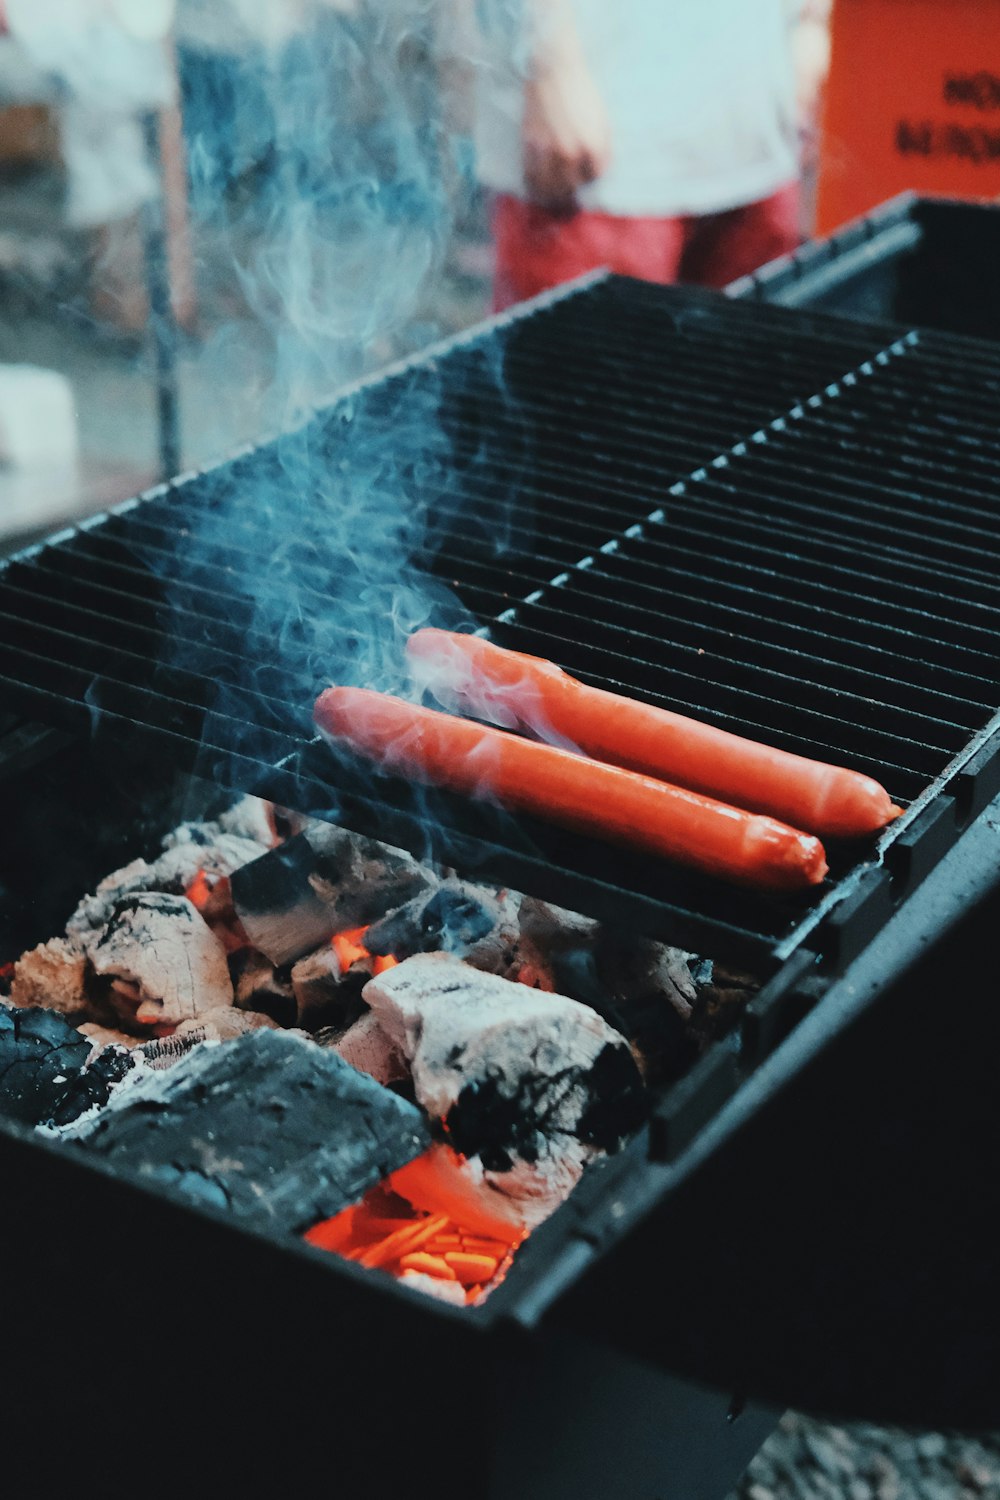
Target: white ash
370,1049
108,1036
532,1085
172,874
216,1026
162,1052
52,976
250,818
253,818
164,963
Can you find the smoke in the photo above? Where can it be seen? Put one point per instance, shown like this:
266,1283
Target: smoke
327,175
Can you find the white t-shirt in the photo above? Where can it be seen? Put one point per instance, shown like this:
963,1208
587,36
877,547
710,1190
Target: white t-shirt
700,95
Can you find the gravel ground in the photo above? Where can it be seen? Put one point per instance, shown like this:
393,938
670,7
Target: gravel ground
809,1460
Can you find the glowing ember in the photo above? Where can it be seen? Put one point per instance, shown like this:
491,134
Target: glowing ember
199,891
212,897
385,1233
350,950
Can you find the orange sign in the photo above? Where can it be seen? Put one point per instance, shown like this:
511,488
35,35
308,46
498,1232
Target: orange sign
913,101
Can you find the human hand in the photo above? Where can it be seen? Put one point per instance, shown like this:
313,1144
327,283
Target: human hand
565,134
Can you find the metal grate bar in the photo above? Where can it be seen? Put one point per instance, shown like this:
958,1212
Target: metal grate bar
775,521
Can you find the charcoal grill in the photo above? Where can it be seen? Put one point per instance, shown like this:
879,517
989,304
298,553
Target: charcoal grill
780,521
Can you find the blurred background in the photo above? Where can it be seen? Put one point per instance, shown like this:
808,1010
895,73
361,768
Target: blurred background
214,213
161,176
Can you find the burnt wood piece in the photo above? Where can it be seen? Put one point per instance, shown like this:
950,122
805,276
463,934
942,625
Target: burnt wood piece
367,1047
53,976
530,1086
723,995
261,988
280,1132
162,962
47,1073
322,881
327,995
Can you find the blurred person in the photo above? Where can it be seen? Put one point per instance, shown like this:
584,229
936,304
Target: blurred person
660,140
101,66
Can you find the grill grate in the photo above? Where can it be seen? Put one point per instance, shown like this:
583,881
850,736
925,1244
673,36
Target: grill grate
780,522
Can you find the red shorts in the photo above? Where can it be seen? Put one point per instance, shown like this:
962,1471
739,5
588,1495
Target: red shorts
536,249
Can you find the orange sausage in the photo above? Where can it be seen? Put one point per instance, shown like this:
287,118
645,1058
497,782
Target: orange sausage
586,795
510,688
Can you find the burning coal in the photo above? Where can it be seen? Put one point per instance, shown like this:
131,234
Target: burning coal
326,1037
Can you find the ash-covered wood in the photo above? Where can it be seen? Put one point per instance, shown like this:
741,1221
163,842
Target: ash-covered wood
53,975
162,963
280,1132
370,1049
322,881
172,873
529,1086
48,1073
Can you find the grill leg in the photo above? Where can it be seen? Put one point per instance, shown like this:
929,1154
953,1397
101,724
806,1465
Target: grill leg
161,315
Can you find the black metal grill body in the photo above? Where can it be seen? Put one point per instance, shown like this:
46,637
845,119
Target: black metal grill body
781,522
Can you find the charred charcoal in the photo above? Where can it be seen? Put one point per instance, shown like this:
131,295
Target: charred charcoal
638,967
279,1131
162,964
325,993
261,988
473,922
451,920
322,881
48,1075
513,1074
656,1028
720,1003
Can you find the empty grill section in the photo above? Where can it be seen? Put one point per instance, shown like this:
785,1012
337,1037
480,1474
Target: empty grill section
756,516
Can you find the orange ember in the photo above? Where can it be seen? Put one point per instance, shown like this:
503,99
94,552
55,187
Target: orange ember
199,891
350,949
384,1232
6,971
347,947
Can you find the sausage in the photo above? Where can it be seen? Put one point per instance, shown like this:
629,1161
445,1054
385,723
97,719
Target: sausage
586,795
528,692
